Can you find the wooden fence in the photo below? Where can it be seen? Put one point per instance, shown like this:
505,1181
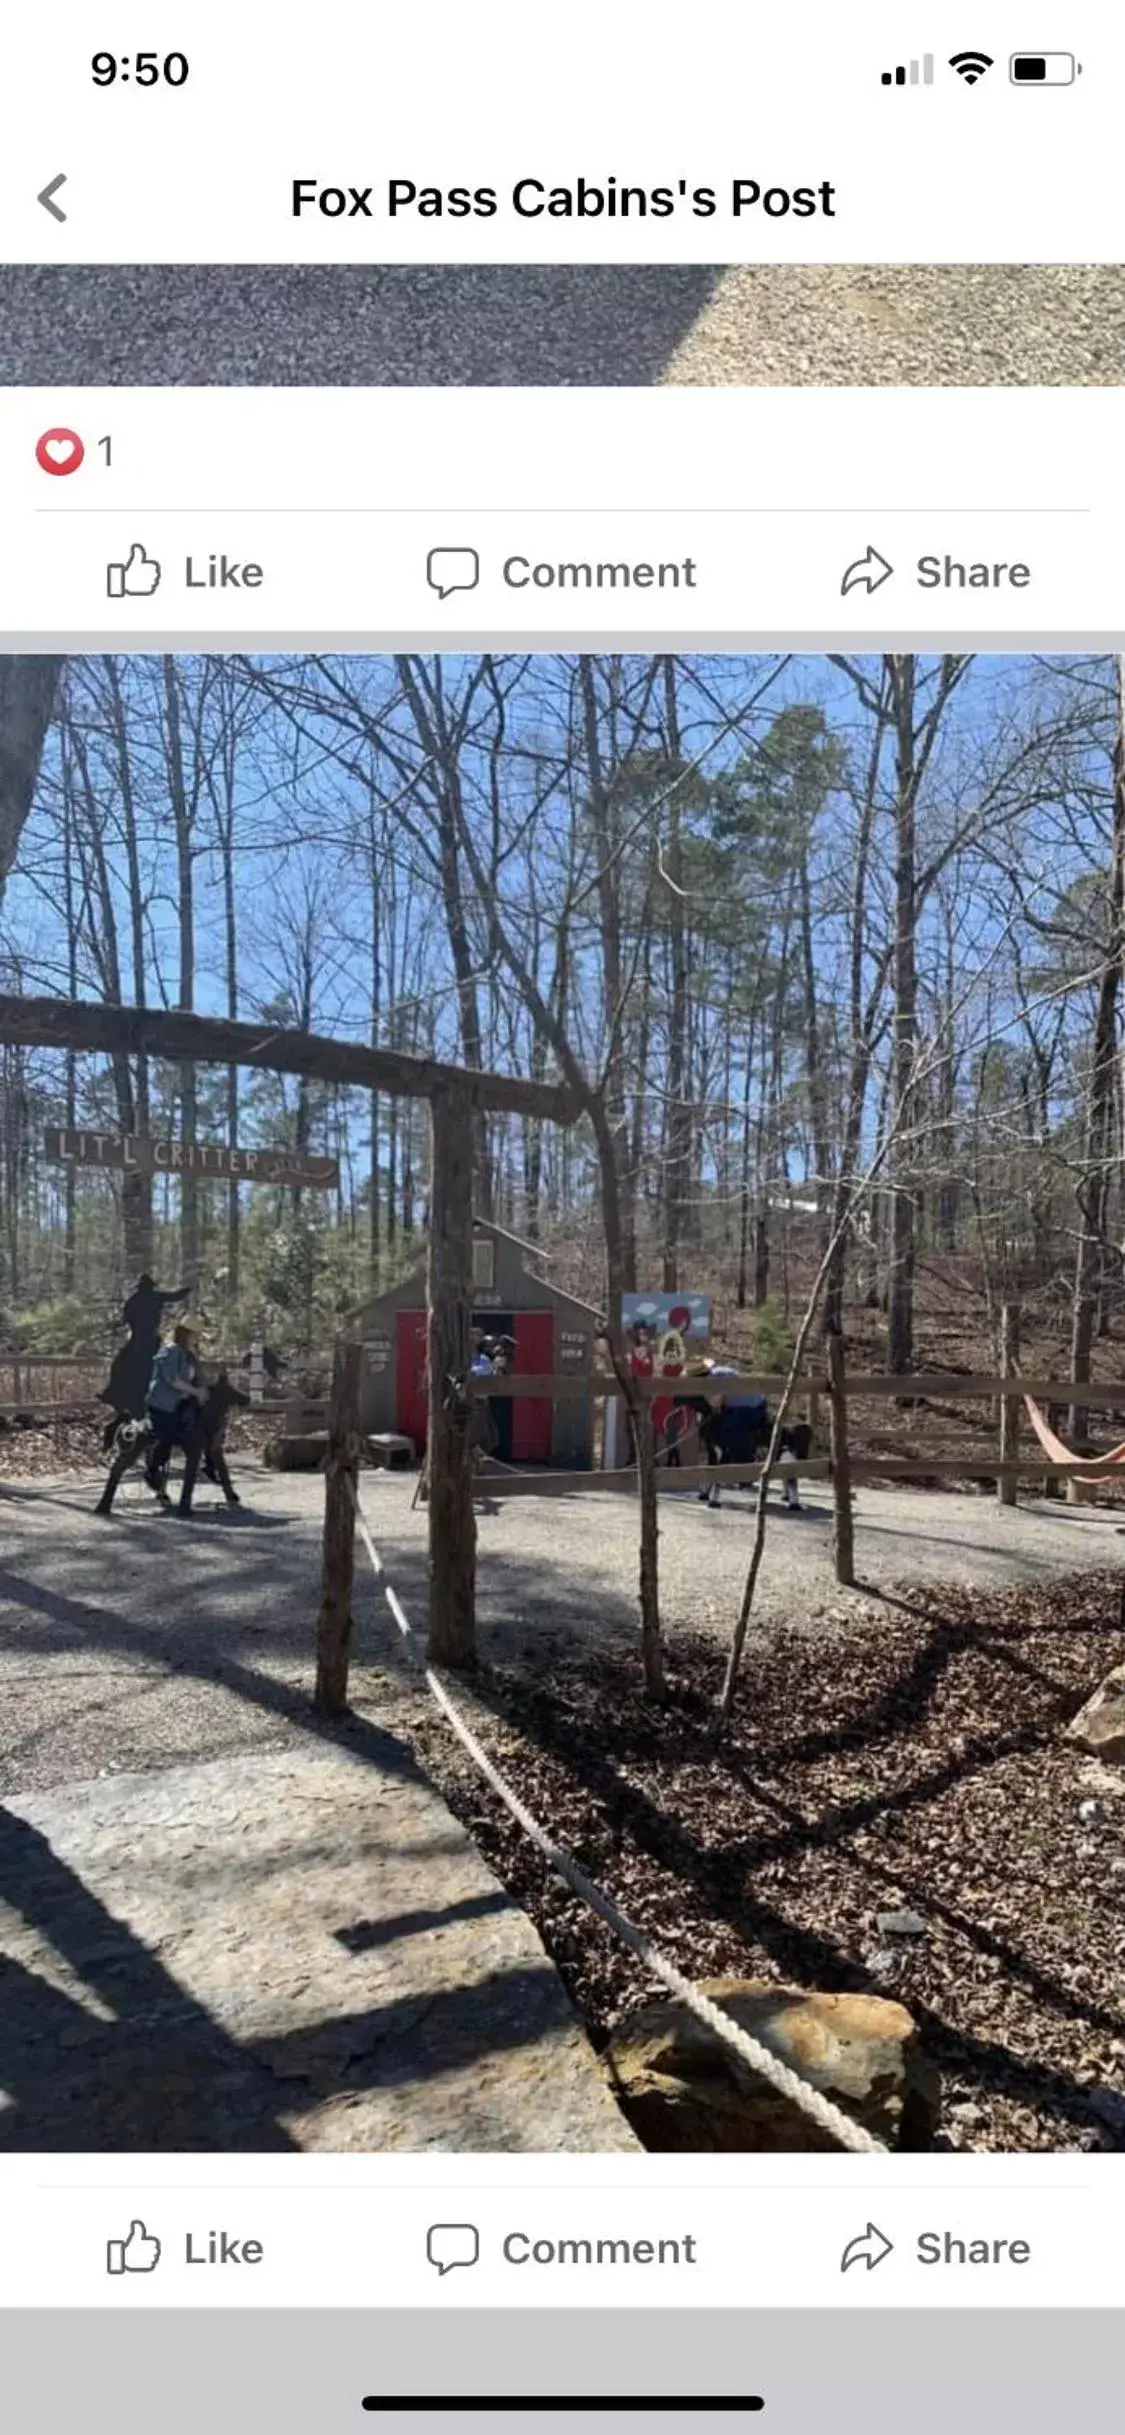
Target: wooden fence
832,1385
844,1469
51,1386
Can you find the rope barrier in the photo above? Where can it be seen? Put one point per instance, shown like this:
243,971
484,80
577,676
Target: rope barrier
762,2059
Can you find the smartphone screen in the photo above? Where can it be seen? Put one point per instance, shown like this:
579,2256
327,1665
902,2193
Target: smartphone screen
562,982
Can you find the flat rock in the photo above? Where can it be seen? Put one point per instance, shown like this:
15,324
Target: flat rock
900,1923
682,2089
302,1950
1099,1727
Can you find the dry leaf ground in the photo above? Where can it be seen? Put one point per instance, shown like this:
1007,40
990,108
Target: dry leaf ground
919,1763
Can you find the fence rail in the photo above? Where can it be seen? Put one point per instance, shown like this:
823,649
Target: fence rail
907,1387
891,1468
572,1387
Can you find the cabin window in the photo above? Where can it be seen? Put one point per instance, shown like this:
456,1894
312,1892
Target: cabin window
484,1262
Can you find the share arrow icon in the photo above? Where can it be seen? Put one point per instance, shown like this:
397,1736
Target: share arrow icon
872,2246
867,573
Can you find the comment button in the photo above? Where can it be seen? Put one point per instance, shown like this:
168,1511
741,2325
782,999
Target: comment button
450,2245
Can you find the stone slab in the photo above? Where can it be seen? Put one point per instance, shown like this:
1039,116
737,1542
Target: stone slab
297,1950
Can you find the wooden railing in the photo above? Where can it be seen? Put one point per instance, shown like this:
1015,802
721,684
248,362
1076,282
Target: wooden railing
906,1387
35,1382
840,1390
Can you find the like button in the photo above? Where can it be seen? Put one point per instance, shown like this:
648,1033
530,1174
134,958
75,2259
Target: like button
140,2254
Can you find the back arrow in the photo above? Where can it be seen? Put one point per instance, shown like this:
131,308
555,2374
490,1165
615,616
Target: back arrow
48,194
870,571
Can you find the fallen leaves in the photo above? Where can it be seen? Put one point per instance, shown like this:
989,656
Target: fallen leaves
911,1764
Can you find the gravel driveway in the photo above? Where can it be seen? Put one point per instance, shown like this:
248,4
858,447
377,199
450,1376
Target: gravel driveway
145,1642
1025,325
346,326
604,325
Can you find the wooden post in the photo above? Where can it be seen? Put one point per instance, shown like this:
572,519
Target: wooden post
841,1466
334,1629
452,1520
1009,1404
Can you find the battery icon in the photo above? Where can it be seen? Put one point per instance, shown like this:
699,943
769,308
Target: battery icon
1043,68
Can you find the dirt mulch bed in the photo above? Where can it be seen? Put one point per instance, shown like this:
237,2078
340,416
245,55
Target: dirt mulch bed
52,1449
72,1445
916,1763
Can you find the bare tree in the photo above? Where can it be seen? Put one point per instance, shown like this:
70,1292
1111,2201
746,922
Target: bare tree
28,692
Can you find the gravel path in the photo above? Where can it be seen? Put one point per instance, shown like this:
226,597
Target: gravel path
346,326
1009,325
145,1643
558,326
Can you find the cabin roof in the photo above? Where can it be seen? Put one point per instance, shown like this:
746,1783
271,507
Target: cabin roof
552,1293
489,1226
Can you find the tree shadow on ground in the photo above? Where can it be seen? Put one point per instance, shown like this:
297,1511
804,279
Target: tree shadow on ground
842,1823
721,1875
284,1701
910,1538
368,1934
718,1877
161,2073
346,324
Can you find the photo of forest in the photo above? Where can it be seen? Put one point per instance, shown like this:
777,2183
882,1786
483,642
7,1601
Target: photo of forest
790,917
627,1155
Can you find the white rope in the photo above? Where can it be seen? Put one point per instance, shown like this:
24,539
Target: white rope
761,2059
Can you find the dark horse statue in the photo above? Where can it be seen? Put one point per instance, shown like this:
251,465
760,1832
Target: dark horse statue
133,1441
131,1369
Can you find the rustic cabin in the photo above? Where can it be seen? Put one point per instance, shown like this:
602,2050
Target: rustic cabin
553,1334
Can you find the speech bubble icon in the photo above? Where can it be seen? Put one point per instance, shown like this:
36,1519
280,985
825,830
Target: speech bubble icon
452,571
449,2245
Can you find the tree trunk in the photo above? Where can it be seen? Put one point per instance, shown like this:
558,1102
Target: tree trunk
28,691
1093,1186
679,1129
100,912
234,1203
452,1520
744,1181
140,1186
334,1629
841,1462
426,699
1009,1404
814,1055
900,1306
762,1257
70,1242
374,1255
190,1259
609,911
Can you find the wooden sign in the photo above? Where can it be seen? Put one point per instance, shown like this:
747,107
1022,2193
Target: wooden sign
300,1169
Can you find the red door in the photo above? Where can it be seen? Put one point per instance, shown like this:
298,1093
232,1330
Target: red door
411,1391
532,1415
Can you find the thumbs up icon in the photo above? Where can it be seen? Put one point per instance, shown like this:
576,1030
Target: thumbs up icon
138,577
140,2254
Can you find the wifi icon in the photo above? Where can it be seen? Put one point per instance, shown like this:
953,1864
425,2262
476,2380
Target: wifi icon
970,65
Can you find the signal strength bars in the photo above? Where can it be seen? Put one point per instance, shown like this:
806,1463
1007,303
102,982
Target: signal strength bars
916,72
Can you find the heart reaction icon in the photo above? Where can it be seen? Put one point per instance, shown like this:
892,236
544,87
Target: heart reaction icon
60,451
